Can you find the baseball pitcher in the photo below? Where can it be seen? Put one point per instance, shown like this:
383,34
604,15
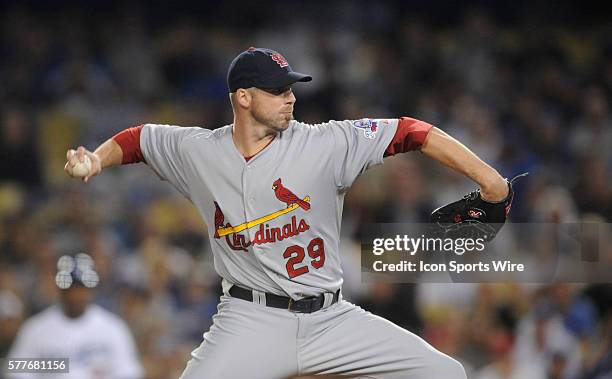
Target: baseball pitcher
271,191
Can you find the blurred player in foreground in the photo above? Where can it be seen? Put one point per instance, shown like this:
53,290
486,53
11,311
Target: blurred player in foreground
97,343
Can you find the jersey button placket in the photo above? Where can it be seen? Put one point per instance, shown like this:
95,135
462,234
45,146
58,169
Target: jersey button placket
249,171
249,201
245,190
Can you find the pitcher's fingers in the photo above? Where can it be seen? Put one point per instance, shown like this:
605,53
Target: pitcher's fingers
71,157
81,153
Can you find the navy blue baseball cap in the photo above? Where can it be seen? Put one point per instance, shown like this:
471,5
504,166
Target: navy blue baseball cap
262,68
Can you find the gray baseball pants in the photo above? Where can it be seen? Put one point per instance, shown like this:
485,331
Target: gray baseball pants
250,340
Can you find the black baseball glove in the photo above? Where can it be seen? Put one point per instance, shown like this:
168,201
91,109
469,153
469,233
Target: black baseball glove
472,216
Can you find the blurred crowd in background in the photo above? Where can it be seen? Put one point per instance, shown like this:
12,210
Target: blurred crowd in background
526,90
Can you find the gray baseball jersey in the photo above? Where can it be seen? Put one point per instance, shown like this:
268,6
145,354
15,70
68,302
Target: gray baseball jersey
274,226
274,220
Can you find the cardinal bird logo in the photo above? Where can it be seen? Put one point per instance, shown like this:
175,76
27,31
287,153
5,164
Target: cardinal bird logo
266,233
286,196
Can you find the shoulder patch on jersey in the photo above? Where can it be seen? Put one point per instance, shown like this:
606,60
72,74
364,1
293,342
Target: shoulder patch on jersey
369,126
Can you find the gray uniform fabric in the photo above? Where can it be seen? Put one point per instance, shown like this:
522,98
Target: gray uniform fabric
319,161
253,341
274,226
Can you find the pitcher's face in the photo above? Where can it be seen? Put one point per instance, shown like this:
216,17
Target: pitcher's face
273,107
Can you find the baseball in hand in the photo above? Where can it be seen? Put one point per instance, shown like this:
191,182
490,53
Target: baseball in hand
81,169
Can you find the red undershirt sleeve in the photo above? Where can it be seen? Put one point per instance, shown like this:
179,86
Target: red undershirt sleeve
129,141
410,135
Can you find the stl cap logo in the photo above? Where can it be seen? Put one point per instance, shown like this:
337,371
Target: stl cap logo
280,60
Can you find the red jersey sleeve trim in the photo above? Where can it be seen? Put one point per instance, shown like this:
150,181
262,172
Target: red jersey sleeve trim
410,135
129,141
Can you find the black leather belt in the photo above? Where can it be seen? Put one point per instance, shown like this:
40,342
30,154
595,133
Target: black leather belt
305,305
